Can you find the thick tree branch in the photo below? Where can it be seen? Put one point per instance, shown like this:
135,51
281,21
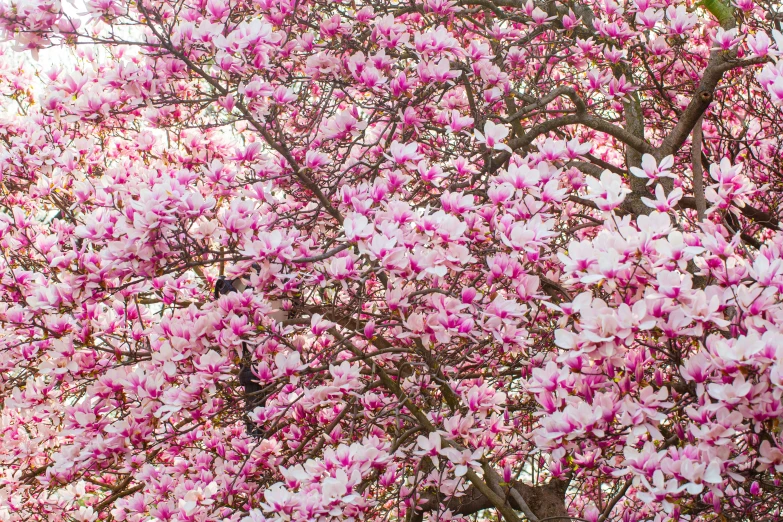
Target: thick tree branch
634,124
702,97
523,505
593,122
698,171
719,64
543,502
757,216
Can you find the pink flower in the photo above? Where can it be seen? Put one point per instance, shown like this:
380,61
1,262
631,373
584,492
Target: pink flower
608,192
664,202
463,460
730,394
430,446
652,170
212,362
725,40
357,227
288,364
540,17
319,325
459,122
402,154
493,136
680,21
775,89
315,159
440,72
759,44
649,18
346,376
570,20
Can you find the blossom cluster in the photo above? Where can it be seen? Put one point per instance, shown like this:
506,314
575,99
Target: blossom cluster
291,261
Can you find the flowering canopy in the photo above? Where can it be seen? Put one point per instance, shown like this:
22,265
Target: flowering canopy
293,260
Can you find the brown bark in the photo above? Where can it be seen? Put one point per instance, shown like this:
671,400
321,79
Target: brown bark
545,501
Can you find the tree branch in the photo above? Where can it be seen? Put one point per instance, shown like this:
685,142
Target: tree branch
698,171
719,63
758,216
569,92
321,257
279,147
546,502
593,122
614,500
523,505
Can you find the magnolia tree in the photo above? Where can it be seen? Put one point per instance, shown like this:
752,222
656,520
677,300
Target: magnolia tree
310,260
